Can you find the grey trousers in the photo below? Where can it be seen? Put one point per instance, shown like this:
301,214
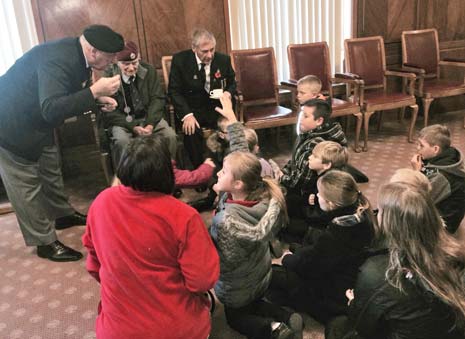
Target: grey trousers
35,190
121,138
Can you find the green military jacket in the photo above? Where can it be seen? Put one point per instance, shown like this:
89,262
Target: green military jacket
151,93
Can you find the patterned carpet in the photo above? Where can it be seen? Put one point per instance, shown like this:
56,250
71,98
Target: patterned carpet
40,299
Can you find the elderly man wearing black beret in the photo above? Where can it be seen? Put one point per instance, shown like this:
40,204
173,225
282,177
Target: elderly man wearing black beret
47,85
141,103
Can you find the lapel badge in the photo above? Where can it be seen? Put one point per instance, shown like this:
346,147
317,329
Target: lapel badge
195,77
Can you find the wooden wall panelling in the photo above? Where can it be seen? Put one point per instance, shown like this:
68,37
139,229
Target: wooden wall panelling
387,18
168,25
60,19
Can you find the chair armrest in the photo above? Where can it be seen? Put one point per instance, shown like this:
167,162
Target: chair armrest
289,83
411,68
351,80
453,59
407,75
452,63
348,76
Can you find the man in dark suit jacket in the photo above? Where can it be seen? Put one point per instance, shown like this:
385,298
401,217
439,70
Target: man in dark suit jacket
44,87
194,74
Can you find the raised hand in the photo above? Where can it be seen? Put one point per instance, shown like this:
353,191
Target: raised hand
227,110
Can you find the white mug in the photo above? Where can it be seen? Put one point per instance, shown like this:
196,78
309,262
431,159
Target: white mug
216,93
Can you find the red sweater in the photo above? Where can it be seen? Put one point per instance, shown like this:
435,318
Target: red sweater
154,259
197,177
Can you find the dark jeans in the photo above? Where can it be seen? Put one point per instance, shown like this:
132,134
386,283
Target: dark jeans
288,289
195,143
254,320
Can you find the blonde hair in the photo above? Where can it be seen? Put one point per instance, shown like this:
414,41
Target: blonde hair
412,177
331,152
418,243
341,189
251,137
436,135
313,81
247,168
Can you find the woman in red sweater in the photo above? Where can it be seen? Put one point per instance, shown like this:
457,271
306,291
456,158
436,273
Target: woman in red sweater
150,252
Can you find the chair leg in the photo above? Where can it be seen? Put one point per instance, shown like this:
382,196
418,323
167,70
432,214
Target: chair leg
358,127
107,167
426,105
380,120
412,122
366,121
401,114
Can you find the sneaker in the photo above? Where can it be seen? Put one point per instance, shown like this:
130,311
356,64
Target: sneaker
296,324
282,332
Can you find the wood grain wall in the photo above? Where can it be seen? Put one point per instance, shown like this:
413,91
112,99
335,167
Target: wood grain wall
389,18
160,27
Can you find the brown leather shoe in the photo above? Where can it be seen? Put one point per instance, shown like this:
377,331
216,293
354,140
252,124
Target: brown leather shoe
56,251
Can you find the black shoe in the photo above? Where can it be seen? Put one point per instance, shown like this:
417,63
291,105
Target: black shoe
56,251
177,193
296,324
70,220
282,332
202,204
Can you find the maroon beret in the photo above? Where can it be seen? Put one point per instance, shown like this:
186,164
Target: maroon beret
129,53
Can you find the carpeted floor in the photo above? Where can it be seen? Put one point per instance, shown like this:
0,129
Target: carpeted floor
42,299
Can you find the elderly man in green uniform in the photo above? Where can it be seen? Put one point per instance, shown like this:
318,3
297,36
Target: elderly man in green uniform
141,103
47,85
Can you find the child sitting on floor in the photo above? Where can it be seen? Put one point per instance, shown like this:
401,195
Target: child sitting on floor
315,126
250,211
252,141
304,211
314,278
444,167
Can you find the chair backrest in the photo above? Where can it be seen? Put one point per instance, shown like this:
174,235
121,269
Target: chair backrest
166,67
312,58
366,58
421,49
256,75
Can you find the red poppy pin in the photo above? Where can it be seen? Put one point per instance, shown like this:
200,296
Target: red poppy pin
217,74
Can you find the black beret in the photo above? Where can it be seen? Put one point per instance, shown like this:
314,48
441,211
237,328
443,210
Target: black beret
104,38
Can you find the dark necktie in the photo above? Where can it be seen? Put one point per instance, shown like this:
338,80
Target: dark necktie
136,98
203,78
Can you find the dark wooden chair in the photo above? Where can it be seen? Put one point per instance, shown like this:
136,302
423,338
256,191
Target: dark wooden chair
166,67
420,55
365,58
102,142
314,58
258,90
